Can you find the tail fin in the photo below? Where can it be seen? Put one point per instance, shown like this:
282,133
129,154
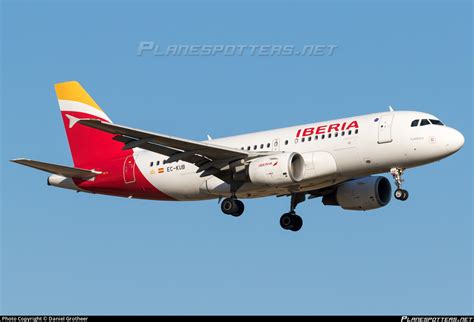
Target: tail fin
88,146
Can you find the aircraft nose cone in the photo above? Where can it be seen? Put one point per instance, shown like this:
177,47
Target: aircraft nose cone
456,141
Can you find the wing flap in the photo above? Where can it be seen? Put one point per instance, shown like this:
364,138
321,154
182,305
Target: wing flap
65,171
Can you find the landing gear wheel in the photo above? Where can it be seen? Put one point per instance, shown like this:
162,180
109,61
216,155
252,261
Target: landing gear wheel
229,206
405,195
291,221
401,194
298,223
398,194
240,206
232,206
285,221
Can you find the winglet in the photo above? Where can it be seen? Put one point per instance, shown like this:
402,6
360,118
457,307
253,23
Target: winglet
390,108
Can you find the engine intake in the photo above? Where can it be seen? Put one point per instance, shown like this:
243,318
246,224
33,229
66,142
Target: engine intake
361,194
281,169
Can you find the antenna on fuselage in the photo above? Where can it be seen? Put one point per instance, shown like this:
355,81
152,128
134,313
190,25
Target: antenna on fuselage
390,108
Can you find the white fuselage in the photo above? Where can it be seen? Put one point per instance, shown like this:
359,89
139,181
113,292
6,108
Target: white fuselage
375,144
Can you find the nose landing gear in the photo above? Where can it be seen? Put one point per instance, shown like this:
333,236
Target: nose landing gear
400,193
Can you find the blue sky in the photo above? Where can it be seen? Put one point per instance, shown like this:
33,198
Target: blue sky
64,252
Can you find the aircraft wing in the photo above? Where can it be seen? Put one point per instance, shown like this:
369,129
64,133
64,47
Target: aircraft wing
203,154
62,170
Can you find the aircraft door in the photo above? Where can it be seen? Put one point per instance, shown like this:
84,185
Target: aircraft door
129,169
385,128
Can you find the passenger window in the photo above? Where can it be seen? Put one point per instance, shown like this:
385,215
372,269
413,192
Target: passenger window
316,138
268,145
157,162
329,135
436,122
415,123
248,148
255,147
309,138
424,122
356,131
296,141
286,142
261,146
335,134
151,163
302,140
322,137
350,132
342,133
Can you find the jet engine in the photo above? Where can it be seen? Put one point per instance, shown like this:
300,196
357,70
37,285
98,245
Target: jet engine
280,169
361,194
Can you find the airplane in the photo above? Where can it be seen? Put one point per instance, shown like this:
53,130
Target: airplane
336,160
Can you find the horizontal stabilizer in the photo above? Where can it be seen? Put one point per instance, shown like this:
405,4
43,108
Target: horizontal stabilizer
62,170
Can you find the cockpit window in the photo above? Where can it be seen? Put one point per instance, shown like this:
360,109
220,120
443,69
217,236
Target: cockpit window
424,122
436,122
415,123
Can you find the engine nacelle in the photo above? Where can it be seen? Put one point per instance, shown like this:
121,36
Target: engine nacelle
274,170
361,194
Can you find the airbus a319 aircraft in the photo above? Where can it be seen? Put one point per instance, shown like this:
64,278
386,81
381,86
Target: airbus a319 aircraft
336,160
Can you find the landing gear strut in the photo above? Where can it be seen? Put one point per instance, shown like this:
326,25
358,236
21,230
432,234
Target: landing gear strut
290,220
400,193
232,206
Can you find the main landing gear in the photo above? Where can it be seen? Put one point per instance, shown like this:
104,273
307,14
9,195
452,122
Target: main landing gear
232,206
400,193
290,220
